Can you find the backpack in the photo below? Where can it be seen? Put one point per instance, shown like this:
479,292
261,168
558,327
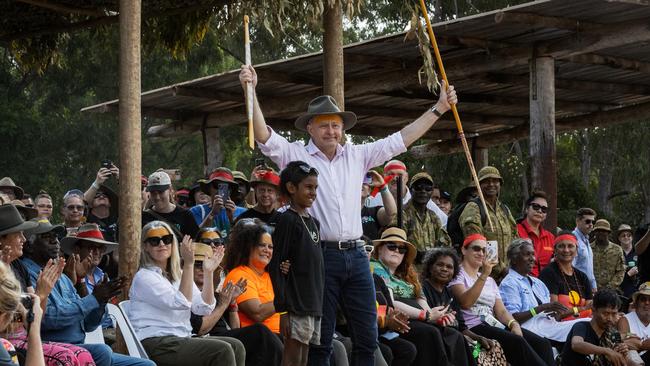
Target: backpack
454,229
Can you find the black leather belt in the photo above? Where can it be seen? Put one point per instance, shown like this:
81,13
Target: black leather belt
343,245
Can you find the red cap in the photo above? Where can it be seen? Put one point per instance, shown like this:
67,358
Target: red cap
267,177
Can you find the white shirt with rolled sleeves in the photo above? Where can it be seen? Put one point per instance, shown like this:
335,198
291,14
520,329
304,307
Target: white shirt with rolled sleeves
158,308
338,201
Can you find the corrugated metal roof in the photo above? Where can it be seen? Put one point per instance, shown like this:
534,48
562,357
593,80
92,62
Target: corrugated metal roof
602,57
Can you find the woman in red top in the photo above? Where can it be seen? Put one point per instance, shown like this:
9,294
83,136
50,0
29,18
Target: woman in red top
531,227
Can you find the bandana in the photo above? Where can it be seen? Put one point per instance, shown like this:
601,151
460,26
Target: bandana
468,240
157,232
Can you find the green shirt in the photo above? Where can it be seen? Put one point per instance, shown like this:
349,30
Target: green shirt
609,265
504,229
401,288
424,230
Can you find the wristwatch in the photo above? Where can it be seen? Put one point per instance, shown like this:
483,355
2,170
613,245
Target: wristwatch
435,111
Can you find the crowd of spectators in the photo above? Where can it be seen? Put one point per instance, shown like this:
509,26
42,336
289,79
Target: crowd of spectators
309,265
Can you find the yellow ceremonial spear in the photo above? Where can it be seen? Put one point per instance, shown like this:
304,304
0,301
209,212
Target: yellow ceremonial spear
459,125
249,86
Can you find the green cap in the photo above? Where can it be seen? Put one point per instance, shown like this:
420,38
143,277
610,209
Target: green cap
489,172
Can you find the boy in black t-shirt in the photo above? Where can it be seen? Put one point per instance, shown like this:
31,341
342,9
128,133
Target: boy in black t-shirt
598,338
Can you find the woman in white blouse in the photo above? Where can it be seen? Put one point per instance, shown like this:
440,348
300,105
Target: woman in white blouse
162,297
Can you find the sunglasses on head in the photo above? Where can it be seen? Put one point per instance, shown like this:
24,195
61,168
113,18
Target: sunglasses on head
539,208
308,169
215,242
401,249
477,248
154,241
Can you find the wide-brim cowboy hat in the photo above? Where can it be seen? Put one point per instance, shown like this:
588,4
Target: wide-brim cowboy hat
45,226
397,235
324,105
28,213
88,233
12,222
7,182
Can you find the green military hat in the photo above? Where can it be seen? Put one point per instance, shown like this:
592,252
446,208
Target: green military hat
421,176
489,172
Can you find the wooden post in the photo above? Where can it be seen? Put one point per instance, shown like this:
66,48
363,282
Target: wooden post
212,149
542,133
333,77
481,157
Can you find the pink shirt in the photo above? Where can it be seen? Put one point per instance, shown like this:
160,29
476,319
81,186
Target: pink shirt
338,201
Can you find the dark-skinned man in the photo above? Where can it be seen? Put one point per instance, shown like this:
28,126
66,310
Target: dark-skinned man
423,227
504,227
609,259
68,316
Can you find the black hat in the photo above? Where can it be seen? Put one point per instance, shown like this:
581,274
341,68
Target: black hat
322,105
44,226
12,222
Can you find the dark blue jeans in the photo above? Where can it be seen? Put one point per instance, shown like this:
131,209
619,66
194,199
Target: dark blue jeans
348,282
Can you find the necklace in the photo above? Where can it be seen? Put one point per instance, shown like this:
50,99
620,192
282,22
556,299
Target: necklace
314,235
578,288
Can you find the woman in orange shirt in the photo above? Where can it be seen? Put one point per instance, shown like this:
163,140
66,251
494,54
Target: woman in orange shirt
249,252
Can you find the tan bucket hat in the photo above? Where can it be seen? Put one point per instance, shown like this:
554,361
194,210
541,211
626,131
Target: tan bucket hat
397,235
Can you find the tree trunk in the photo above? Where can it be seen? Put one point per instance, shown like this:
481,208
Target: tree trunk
585,157
333,67
212,152
130,205
605,176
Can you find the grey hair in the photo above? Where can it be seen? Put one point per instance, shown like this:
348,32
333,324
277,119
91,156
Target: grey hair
515,248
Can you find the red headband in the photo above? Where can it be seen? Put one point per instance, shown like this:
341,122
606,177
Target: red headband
472,238
568,237
90,234
395,165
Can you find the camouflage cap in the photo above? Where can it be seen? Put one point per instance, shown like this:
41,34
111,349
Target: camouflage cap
420,176
602,224
489,172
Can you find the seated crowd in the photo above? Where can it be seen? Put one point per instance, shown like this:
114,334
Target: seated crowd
232,273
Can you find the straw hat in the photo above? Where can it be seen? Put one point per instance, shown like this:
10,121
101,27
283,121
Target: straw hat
397,235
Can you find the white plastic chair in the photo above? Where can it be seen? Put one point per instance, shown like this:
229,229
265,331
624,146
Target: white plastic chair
119,314
95,337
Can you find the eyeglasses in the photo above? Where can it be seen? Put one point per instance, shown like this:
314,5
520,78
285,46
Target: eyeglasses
215,242
423,188
308,169
589,221
75,207
401,249
477,248
154,241
539,208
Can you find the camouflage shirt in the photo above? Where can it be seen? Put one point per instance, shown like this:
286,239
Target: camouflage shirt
609,265
424,230
503,231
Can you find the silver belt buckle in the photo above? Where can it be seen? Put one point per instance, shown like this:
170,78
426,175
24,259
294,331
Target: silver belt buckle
340,245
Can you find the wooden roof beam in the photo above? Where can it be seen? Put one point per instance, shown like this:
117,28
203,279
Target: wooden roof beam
604,118
64,8
543,21
206,93
611,61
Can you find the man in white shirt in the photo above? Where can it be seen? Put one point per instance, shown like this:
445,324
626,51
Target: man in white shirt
635,326
348,281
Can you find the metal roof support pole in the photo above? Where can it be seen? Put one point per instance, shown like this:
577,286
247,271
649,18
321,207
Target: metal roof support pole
130,143
542,133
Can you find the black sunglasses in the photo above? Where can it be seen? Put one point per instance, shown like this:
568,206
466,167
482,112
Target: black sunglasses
423,188
396,248
539,208
215,242
154,241
477,248
308,169
589,221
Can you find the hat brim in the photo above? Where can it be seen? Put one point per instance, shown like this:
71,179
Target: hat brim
112,196
42,229
411,252
161,187
491,176
68,243
349,119
27,225
205,184
28,212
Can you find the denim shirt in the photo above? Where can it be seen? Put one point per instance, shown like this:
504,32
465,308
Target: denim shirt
518,294
98,276
584,261
220,221
67,316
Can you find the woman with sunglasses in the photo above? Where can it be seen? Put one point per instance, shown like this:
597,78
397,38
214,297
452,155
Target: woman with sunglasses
392,260
163,296
567,284
439,267
530,227
73,210
484,312
250,249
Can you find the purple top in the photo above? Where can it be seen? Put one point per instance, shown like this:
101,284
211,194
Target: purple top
484,305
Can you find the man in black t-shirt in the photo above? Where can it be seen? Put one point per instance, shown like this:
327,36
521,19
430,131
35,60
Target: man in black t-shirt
180,219
598,337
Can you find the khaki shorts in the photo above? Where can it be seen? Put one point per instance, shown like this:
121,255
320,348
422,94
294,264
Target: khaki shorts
305,328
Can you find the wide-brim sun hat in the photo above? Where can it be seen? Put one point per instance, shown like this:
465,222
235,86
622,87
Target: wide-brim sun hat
89,233
324,105
7,182
12,222
45,226
397,235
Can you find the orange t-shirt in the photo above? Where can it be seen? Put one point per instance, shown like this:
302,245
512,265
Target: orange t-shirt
258,287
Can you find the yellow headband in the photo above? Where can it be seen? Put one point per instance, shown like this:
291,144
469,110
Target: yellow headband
327,118
157,232
210,235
